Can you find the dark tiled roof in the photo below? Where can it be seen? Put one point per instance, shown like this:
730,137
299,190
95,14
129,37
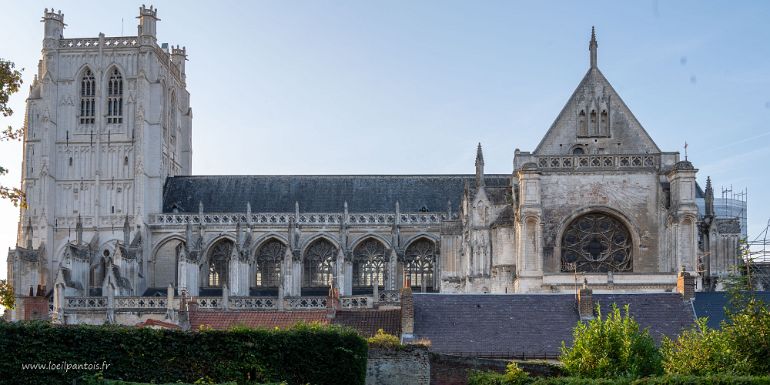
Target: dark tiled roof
254,319
712,305
665,314
529,325
318,193
367,322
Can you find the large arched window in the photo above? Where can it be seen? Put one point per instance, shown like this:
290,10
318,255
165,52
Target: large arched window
269,257
596,242
219,256
115,97
87,97
318,264
418,263
369,264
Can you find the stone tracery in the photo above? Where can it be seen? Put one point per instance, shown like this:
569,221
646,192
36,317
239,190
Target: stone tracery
269,257
369,263
596,242
419,259
319,264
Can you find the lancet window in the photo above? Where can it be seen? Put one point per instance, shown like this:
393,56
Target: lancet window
369,264
87,98
115,97
269,257
419,259
218,259
319,264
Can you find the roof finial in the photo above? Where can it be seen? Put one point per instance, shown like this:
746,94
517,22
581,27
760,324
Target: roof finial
479,167
592,47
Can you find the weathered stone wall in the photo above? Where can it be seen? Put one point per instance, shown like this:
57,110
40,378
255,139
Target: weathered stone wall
453,370
634,198
410,365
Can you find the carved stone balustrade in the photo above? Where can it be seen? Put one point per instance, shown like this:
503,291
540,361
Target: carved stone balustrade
356,302
389,297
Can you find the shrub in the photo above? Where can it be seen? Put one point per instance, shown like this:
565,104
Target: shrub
303,354
384,340
698,352
742,346
748,336
512,376
612,346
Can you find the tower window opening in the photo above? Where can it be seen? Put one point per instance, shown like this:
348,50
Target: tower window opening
115,97
87,98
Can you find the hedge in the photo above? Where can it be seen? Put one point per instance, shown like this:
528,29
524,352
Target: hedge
492,378
313,354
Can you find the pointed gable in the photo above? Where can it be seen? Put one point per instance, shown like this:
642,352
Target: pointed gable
596,120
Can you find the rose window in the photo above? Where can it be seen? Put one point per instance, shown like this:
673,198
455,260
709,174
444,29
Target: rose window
596,243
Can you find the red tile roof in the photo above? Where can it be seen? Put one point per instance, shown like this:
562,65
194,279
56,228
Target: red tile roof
255,319
367,322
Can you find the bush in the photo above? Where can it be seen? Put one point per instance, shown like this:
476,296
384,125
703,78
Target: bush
698,352
611,347
742,346
304,354
513,376
384,340
748,335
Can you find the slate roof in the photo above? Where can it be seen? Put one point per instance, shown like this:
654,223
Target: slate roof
712,305
255,319
318,193
367,322
529,325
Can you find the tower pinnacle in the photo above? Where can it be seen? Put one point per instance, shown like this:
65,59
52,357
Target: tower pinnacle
592,47
479,167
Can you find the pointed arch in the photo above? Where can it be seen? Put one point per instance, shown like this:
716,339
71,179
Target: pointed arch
217,260
370,262
319,263
87,92
114,95
268,257
419,261
317,237
164,262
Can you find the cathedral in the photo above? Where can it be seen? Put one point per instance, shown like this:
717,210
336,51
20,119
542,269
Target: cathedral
115,218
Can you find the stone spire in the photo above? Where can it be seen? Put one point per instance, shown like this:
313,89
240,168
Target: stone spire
592,47
709,198
479,167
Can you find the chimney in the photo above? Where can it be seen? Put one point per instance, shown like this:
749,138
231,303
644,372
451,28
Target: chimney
407,314
685,285
585,301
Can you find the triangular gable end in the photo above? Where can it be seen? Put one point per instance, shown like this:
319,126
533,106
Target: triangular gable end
596,120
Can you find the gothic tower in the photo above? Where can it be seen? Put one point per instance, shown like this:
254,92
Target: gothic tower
107,120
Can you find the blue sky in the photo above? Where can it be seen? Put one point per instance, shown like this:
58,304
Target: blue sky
364,87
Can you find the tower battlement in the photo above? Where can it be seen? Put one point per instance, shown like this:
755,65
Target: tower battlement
53,15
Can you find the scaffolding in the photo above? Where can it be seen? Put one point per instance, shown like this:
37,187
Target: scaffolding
733,204
757,258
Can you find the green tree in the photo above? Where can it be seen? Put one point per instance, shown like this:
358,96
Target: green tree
6,295
10,82
611,346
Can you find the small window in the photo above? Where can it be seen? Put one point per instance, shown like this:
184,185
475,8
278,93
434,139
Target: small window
70,161
578,151
125,161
